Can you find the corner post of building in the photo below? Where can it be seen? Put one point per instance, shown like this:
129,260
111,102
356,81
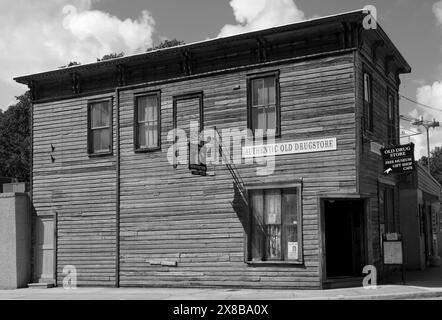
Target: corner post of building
117,191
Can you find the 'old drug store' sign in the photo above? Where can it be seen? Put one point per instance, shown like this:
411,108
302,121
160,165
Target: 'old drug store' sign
398,159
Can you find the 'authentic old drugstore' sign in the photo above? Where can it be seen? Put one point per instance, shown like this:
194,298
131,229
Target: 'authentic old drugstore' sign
398,159
293,147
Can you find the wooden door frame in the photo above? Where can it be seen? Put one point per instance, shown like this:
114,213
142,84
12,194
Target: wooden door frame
365,201
53,217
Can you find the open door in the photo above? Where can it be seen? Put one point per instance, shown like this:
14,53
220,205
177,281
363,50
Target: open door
344,238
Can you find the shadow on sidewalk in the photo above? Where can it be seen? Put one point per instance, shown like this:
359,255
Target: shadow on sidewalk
431,277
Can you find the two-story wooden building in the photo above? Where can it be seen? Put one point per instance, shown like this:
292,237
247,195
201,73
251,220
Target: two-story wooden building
109,202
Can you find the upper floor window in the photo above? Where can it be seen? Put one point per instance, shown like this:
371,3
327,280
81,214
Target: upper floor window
264,103
368,102
100,127
275,230
147,122
391,120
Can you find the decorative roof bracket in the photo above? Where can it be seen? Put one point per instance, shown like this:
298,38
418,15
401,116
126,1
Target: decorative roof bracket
396,75
262,49
376,45
388,59
32,85
344,35
121,69
187,63
75,83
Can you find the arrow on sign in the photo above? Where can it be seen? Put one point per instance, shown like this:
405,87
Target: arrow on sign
388,171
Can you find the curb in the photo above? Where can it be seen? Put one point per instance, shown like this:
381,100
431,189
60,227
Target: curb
395,296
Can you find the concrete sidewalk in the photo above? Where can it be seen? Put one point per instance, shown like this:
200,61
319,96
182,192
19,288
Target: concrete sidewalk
420,285
382,292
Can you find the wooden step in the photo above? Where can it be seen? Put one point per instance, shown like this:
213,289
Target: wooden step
344,282
40,285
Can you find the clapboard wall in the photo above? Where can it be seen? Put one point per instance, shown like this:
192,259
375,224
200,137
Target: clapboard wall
371,179
79,188
132,219
169,215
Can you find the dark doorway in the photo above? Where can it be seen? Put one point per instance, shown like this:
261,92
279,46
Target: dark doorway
344,238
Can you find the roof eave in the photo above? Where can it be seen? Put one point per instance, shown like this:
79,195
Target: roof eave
113,62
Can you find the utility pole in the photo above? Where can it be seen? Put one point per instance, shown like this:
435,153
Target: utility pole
427,125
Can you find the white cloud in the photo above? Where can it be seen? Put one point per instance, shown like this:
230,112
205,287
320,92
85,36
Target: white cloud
430,95
437,9
254,15
40,35
104,33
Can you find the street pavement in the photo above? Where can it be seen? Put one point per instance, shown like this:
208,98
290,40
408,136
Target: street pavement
419,285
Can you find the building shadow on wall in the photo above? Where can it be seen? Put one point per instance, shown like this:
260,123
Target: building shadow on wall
241,207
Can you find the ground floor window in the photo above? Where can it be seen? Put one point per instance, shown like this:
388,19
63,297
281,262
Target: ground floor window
275,228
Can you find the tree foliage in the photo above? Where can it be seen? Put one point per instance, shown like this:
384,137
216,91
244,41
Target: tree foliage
71,64
167,44
435,163
111,56
15,141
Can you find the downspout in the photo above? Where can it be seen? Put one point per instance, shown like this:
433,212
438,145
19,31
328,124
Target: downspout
117,192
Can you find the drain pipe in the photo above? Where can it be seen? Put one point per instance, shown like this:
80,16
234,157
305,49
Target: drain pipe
117,192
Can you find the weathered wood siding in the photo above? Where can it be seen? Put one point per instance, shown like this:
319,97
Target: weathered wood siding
170,228
168,215
370,165
81,189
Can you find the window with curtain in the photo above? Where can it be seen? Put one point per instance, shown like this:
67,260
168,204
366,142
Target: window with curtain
100,127
275,230
147,128
263,104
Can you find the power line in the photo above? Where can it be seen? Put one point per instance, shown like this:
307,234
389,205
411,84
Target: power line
406,118
420,104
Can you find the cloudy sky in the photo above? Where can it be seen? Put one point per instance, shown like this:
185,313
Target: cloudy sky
37,35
